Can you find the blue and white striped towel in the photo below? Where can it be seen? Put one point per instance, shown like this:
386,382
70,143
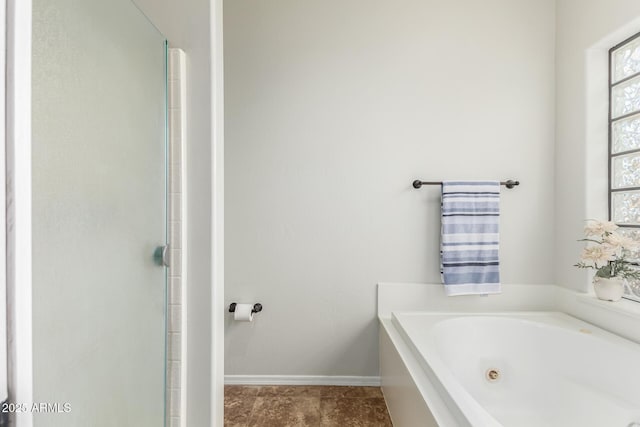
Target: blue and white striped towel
470,238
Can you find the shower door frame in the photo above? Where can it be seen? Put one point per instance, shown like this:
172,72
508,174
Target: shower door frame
16,173
17,170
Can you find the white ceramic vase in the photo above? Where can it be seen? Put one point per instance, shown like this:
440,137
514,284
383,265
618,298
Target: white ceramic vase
608,289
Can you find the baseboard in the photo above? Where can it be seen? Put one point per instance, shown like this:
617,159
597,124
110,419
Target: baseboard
301,380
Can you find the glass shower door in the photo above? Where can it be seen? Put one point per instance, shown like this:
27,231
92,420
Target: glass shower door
99,213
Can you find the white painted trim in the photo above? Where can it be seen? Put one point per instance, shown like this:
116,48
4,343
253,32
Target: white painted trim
301,380
19,202
217,214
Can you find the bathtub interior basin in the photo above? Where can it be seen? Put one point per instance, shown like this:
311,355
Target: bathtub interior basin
526,369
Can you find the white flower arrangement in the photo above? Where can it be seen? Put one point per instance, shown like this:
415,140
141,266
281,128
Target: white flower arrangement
606,251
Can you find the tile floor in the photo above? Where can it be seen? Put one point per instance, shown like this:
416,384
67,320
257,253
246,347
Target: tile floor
302,406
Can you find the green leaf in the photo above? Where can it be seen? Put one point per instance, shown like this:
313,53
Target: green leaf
604,272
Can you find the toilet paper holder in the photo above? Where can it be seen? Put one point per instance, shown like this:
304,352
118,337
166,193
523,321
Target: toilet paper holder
257,308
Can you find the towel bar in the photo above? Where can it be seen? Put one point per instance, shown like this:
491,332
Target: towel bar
417,183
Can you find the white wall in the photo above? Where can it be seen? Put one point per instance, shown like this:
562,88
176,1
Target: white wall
332,109
196,27
585,32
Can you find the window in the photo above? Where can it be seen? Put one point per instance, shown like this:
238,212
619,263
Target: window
624,142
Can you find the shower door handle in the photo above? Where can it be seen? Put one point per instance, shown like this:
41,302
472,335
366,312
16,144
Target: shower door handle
162,256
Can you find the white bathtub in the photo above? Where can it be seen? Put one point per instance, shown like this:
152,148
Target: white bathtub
553,370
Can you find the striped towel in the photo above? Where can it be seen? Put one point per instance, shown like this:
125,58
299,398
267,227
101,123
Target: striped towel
470,239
